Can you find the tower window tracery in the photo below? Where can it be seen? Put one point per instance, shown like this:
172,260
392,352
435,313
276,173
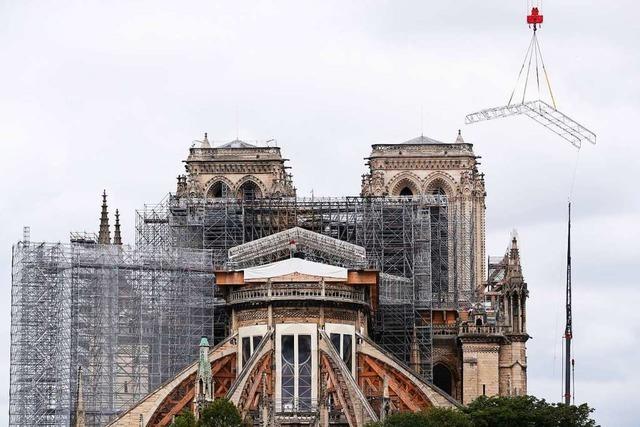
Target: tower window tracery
439,250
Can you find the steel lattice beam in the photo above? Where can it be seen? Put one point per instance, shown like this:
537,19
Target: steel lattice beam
543,113
299,236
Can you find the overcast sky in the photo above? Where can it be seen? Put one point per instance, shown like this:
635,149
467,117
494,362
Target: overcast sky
110,95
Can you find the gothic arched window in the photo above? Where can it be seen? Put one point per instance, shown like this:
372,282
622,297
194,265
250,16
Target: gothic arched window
249,191
405,186
406,191
219,190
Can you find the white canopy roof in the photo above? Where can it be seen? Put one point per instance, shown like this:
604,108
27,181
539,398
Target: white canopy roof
294,265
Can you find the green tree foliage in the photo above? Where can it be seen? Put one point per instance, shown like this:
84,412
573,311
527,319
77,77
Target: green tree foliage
185,419
520,411
525,411
220,413
432,417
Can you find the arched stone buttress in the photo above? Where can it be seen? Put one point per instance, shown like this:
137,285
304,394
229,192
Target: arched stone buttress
159,407
181,397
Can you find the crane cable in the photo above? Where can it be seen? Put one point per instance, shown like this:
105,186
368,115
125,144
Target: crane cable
546,75
533,49
520,73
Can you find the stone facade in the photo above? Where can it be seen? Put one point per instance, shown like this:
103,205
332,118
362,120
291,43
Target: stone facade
235,170
493,339
479,368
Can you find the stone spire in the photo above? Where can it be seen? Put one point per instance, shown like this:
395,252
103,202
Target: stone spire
514,268
117,238
205,142
459,139
104,235
79,416
204,379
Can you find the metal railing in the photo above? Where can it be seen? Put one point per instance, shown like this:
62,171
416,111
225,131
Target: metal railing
484,329
296,406
298,291
440,330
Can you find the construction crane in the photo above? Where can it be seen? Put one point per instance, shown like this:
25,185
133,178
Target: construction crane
568,330
540,111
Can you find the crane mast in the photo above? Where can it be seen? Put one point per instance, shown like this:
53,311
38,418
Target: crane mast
568,332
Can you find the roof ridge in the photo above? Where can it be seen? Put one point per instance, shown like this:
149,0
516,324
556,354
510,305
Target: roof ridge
237,143
423,140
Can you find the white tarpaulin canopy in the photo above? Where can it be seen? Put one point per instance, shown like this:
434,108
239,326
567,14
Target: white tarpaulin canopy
294,265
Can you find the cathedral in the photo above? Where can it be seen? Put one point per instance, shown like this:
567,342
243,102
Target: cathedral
342,311
321,311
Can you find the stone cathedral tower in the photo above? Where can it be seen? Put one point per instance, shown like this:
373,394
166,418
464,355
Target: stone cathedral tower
478,350
235,170
426,166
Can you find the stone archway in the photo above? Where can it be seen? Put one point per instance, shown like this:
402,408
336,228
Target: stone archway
219,190
249,191
404,184
443,378
250,188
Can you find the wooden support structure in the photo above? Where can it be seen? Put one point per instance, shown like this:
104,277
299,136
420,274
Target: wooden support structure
404,394
224,373
251,393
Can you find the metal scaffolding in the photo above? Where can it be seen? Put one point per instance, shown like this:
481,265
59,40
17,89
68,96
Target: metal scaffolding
286,243
129,316
422,245
40,377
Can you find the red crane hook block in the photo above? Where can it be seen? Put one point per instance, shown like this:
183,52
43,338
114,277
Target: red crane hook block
535,18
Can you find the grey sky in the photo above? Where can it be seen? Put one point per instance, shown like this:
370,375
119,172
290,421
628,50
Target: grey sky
110,95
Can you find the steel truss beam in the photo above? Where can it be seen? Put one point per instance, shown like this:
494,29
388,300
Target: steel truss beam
282,242
544,114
